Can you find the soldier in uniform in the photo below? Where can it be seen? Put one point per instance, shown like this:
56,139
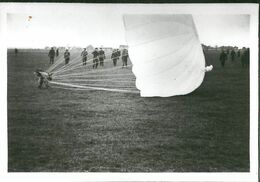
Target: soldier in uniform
43,78
238,53
101,56
67,56
223,58
114,57
124,57
15,51
84,54
232,55
118,53
57,52
51,55
95,58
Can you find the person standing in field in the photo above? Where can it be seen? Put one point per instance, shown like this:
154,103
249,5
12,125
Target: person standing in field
101,56
124,57
51,55
15,51
114,57
57,52
223,58
238,53
233,54
95,58
84,54
118,52
67,56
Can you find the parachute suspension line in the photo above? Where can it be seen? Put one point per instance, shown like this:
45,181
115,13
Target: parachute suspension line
89,72
79,65
66,88
53,66
128,87
71,63
57,63
93,88
106,86
109,77
66,65
89,76
101,80
65,77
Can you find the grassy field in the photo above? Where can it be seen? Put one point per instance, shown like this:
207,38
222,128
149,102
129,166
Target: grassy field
64,130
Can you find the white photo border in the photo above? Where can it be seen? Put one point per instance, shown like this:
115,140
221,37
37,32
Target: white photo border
242,8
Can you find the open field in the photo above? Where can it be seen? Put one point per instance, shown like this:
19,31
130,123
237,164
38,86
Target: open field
65,130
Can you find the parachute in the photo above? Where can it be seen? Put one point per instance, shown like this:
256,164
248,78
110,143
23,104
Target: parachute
165,52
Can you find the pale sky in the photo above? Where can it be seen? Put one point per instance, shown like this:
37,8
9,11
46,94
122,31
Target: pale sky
103,25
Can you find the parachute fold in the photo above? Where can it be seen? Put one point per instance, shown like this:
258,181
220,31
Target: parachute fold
166,54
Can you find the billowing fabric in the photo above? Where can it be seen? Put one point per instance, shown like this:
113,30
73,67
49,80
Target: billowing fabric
166,54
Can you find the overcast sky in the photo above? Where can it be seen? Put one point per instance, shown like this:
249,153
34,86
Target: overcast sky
103,25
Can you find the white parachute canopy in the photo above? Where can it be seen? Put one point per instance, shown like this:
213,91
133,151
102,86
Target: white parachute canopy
166,54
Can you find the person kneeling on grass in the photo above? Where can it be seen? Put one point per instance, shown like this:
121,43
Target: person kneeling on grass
43,78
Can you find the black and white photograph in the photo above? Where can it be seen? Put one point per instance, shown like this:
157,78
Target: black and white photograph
131,88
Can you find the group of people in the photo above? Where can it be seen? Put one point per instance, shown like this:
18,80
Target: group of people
99,57
244,57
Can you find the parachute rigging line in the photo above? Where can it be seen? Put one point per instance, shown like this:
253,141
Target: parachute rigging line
93,88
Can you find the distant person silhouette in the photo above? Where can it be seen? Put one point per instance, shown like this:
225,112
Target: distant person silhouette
15,51
114,57
223,58
238,53
67,56
101,55
57,52
51,55
84,54
233,54
118,53
124,57
95,58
